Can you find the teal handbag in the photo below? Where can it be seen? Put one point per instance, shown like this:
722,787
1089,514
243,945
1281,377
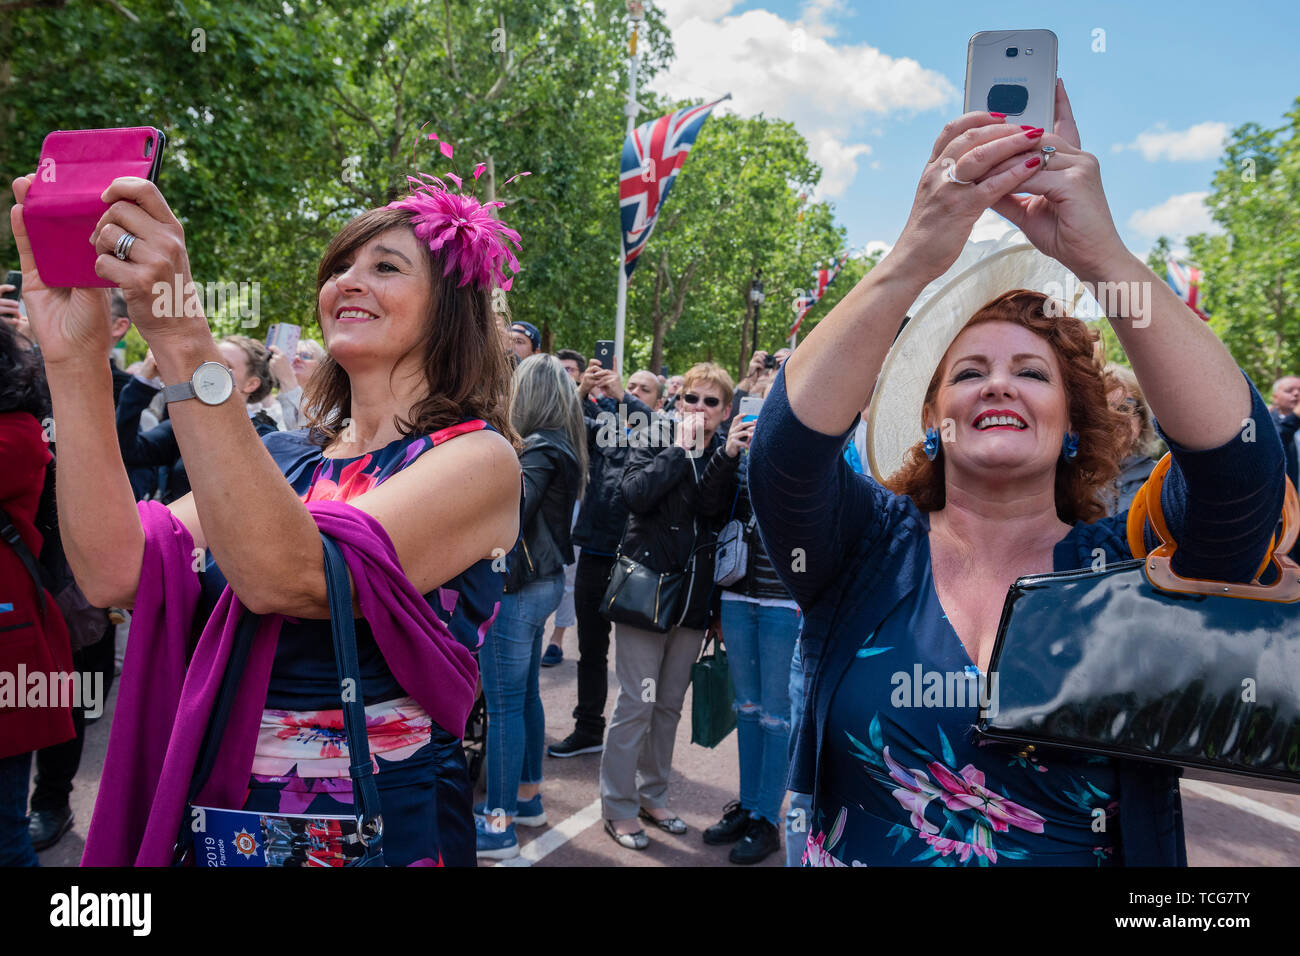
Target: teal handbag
713,714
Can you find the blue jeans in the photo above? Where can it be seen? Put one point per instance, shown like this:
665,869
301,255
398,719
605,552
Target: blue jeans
509,661
759,642
15,844
800,813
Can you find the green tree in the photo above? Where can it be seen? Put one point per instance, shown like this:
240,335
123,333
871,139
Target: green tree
237,88
1251,287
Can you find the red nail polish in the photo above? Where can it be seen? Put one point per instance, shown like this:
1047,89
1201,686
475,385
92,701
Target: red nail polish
998,115
1031,163
1034,133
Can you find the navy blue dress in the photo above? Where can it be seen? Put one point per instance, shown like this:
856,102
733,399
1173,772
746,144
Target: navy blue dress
884,743
300,764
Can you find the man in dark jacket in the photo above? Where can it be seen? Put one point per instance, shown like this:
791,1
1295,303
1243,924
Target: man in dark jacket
611,414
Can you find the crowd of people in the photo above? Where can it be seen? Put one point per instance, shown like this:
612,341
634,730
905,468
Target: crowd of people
480,487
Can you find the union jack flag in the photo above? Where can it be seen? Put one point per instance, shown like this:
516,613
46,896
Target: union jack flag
1185,279
652,157
822,278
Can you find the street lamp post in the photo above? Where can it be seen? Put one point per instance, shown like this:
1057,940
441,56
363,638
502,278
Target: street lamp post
756,297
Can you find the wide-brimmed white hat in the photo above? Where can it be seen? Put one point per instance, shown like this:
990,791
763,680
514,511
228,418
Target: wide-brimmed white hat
984,271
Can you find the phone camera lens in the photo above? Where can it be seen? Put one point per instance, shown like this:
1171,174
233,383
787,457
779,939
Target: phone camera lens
1012,51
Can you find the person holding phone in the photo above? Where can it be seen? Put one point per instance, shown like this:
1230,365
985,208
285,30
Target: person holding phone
410,443
760,624
677,496
11,308
291,373
1004,472
608,412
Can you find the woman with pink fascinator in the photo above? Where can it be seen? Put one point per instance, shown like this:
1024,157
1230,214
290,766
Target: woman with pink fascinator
410,459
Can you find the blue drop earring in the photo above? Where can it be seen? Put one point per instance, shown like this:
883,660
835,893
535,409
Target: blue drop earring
931,443
1070,445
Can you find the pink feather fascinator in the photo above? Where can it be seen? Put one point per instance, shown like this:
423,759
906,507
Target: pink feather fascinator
465,232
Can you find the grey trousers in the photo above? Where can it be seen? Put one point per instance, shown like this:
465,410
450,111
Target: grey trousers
653,672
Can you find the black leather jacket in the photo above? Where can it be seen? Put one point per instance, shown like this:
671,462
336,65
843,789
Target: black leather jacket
551,482
604,514
676,505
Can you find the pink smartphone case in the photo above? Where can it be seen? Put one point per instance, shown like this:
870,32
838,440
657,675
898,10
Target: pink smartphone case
63,204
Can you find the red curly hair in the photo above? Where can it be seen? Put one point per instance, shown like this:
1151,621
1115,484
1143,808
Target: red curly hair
1103,431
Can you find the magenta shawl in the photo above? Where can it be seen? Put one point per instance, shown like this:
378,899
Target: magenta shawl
166,694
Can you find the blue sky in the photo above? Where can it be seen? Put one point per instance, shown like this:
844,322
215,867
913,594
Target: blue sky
871,84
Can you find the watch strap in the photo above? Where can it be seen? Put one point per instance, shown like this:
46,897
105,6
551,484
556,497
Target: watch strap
178,392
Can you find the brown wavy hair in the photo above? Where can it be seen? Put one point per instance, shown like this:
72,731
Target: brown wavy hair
1103,431
465,366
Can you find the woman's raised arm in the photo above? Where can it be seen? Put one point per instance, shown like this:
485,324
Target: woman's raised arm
98,520
1191,382
830,376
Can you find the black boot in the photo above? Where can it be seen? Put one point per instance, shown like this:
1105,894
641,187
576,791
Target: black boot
759,842
732,826
47,826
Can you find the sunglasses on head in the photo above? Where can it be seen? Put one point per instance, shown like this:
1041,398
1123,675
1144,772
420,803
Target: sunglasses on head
712,401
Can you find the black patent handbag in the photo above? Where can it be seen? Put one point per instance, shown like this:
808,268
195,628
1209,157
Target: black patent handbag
642,598
1133,661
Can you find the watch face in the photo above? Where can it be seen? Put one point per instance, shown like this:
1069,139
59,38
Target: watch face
213,383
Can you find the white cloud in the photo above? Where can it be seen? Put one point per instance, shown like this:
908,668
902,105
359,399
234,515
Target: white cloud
839,162
677,12
1177,217
1200,142
794,71
877,248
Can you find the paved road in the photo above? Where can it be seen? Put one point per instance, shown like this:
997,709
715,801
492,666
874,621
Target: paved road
1226,826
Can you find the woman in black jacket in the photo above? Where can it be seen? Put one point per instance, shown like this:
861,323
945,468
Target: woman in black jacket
676,493
544,408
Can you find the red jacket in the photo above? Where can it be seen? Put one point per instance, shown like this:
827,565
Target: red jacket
25,641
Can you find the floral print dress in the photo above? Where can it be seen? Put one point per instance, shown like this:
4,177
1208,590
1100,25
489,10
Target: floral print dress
906,781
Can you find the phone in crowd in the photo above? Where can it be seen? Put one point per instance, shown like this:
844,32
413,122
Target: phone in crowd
605,354
284,336
770,361
15,279
1013,72
63,205
750,406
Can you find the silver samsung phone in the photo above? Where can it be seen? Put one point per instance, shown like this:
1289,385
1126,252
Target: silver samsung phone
1013,72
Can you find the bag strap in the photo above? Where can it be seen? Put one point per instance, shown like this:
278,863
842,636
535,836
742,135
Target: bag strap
221,709
10,534
343,629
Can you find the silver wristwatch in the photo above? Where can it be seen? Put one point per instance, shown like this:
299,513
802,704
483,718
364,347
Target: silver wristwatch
212,383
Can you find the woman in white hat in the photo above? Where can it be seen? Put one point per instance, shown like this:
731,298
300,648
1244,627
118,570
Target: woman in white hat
992,422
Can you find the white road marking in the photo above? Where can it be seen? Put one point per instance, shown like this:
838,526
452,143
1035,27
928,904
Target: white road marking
1233,799
556,836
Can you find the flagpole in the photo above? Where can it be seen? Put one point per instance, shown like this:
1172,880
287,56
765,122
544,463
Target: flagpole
630,109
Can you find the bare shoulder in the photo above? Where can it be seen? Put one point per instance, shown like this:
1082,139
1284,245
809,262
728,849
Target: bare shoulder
483,456
471,474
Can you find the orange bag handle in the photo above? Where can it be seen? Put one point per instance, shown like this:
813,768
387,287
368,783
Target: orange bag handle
1147,508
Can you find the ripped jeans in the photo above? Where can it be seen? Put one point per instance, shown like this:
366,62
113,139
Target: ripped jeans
760,641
